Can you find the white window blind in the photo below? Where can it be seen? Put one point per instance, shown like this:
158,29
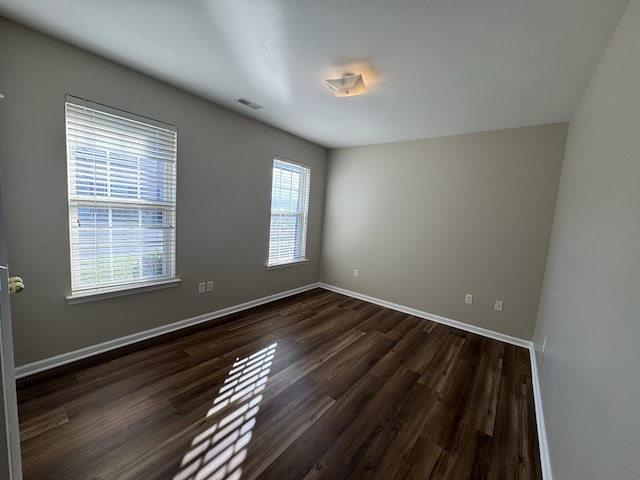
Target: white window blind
289,211
122,198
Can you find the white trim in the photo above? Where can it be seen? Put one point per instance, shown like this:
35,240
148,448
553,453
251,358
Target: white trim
62,359
12,463
430,316
102,294
545,459
59,360
519,342
293,263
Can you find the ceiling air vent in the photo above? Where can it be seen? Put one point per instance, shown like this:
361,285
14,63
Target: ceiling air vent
249,103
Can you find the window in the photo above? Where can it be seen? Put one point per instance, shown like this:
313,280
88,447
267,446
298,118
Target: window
289,210
122,199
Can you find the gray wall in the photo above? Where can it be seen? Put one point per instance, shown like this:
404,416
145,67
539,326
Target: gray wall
224,181
590,306
427,221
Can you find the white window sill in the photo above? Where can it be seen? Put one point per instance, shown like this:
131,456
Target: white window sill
120,291
288,264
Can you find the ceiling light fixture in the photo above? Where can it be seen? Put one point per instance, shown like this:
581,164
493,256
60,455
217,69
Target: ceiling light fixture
348,85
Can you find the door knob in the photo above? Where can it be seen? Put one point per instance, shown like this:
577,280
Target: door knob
15,284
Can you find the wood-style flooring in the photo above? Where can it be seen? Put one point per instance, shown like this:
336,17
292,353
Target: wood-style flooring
315,386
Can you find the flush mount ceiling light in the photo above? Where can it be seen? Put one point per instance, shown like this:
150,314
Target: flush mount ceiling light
348,85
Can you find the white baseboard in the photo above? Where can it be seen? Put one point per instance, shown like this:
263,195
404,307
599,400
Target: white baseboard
545,460
430,316
540,425
65,358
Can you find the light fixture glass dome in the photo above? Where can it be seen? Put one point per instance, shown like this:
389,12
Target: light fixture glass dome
348,85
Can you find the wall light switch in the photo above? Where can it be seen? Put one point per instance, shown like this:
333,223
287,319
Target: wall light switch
498,305
201,287
468,299
210,286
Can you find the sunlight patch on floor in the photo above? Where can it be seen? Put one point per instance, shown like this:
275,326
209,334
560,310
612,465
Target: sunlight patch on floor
218,452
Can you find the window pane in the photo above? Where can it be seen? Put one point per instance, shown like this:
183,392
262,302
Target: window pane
289,210
121,200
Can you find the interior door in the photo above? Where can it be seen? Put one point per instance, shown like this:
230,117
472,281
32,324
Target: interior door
10,461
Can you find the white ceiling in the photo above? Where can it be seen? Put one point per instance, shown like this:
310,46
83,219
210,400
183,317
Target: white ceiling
433,67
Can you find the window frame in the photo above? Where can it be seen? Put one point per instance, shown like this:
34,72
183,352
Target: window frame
300,247
132,200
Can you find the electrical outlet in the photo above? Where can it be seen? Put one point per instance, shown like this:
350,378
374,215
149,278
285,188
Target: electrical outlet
356,273
201,287
544,344
468,299
210,286
498,305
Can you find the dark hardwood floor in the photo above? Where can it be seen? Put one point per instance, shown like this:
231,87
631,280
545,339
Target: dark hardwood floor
316,386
